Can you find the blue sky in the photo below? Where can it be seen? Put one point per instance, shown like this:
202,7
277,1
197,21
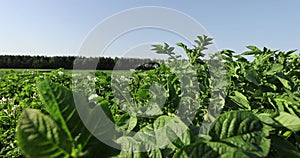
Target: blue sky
54,27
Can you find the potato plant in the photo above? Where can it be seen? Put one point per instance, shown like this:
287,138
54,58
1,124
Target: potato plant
253,112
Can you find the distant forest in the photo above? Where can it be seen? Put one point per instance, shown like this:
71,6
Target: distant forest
69,62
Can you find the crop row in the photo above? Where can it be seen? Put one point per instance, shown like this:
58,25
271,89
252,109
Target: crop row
227,106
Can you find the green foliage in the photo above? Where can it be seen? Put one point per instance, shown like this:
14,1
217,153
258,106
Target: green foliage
171,111
37,131
19,91
62,133
237,133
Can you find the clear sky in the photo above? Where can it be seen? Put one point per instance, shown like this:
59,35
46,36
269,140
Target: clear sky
56,27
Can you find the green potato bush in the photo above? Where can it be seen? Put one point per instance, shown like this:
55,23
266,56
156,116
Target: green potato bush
254,112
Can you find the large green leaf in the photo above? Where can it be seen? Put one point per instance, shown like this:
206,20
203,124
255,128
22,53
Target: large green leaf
284,80
126,122
289,121
241,100
253,51
240,129
251,75
60,103
274,69
153,136
130,147
39,136
178,138
165,133
178,133
234,134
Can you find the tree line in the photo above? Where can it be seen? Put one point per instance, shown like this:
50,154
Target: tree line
69,62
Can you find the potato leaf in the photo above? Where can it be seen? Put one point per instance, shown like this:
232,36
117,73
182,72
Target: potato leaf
275,68
283,79
289,121
241,100
39,136
240,129
60,103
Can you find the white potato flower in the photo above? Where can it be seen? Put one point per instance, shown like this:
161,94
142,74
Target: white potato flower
93,96
4,99
16,107
60,72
